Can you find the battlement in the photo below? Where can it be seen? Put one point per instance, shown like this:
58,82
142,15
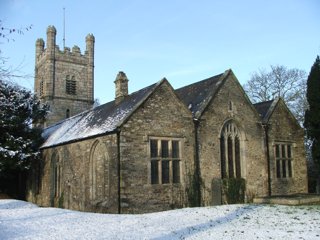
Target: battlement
53,51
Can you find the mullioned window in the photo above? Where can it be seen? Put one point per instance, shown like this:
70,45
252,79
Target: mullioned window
283,159
165,161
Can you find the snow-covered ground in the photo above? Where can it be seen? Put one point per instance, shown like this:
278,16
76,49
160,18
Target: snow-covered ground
22,220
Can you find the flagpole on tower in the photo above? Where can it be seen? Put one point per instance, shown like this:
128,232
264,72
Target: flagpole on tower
64,28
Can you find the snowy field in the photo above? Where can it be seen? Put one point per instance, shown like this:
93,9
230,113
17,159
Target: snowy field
22,220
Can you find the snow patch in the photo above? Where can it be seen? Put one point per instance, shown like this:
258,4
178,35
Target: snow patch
80,126
15,204
23,221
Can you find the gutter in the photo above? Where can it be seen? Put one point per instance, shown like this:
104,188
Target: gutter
197,161
118,171
77,140
265,127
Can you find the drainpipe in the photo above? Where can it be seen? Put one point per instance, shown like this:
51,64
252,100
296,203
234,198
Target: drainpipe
265,127
197,160
118,171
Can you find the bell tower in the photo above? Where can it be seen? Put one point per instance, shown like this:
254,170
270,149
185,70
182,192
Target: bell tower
64,79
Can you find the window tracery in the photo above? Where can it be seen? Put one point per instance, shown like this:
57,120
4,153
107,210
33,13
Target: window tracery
230,151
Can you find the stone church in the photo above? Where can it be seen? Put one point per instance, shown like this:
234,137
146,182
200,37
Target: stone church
158,148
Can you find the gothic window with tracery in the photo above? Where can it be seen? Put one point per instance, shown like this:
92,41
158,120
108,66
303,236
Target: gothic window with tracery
230,151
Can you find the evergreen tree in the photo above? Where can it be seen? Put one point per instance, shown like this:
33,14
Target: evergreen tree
19,140
312,115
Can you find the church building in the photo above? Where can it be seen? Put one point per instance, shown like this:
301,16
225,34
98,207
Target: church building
158,148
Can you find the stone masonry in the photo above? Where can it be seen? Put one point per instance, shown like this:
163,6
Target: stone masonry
64,79
157,148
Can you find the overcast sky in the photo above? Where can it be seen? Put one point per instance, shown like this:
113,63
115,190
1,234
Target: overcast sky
184,41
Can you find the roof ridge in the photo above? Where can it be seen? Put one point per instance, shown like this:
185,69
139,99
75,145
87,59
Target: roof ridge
197,95
201,81
263,102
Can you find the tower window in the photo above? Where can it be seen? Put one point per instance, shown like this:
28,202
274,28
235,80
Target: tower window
71,86
41,88
67,113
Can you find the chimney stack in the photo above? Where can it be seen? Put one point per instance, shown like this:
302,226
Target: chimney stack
121,83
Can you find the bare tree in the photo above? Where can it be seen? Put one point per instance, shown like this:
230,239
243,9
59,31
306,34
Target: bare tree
6,32
8,73
279,81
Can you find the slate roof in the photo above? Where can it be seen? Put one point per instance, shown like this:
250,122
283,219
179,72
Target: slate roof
263,108
266,108
98,121
197,95
108,117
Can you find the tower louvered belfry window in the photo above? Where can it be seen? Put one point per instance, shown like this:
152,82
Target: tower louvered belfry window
41,88
71,86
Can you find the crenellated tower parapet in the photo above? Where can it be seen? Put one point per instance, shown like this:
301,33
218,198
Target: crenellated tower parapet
64,79
53,51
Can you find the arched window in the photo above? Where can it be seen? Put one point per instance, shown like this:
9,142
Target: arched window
230,153
56,175
97,171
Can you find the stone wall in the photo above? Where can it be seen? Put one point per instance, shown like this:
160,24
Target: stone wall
86,177
161,116
283,128
231,104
